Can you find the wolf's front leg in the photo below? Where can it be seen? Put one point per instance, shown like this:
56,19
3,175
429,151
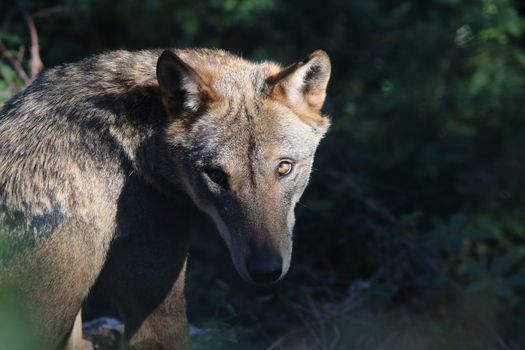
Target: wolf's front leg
146,284
145,267
165,327
150,300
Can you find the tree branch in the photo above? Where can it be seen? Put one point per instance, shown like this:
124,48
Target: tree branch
36,61
48,11
17,66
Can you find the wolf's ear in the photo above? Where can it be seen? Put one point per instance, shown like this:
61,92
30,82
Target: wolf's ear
304,81
181,87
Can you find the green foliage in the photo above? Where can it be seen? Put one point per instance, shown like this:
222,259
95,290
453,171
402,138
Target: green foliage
418,188
14,327
15,237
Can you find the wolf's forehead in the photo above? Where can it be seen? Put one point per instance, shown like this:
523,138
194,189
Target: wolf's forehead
234,81
256,136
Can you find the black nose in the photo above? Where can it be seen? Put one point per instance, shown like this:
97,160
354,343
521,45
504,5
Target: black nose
265,270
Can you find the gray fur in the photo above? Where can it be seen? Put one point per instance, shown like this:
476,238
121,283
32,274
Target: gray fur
94,157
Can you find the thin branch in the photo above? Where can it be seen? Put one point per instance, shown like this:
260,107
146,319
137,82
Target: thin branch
36,61
14,63
48,11
20,54
282,340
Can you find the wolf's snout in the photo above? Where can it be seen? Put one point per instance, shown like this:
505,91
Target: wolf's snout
265,270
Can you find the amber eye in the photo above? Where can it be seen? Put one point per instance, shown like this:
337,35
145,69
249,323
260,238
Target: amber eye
284,168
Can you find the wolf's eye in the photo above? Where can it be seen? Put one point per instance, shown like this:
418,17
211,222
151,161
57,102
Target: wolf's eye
216,175
284,168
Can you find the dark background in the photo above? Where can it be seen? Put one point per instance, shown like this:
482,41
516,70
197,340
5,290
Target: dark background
412,232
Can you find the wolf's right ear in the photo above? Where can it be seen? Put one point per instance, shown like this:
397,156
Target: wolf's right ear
181,86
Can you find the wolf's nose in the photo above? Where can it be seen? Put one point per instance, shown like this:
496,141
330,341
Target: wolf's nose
265,271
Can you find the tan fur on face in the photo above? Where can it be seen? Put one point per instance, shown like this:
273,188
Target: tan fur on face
262,113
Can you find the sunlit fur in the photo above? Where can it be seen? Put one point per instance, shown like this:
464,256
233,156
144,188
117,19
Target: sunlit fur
94,154
248,125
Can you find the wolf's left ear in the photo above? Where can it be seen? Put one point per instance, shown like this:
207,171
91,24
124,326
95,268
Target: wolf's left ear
181,86
304,81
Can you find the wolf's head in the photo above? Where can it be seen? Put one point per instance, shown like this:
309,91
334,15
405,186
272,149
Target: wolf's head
242,140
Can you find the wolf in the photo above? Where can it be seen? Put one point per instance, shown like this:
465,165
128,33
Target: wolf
100,158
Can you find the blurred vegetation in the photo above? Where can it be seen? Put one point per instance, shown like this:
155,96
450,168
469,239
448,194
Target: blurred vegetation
412,232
